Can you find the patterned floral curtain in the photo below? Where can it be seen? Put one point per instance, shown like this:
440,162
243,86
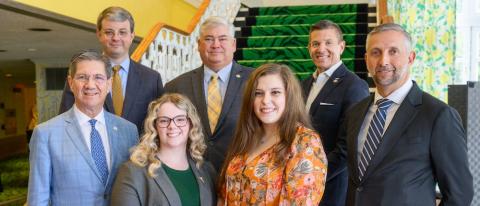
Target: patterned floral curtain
432,26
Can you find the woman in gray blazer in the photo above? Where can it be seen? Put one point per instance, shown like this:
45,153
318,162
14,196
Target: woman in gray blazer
167,167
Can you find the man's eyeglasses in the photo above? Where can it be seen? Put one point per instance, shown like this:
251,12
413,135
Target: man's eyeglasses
179,121
97,78
111,33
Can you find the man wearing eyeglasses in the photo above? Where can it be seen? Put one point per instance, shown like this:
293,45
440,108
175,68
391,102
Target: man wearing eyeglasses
134,85
329,93
74,157
215,88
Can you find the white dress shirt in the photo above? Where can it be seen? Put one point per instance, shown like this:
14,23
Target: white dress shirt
320,81
397,97
86,129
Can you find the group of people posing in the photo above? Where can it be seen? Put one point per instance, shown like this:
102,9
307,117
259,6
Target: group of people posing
225,134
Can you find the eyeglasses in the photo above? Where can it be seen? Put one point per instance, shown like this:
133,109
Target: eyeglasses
97,78
112,33
179,121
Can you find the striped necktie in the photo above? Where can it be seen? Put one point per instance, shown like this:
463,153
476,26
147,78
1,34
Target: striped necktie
98,152
214,102
117,92
374,135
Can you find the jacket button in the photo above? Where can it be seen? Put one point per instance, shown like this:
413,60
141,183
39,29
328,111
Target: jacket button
359,189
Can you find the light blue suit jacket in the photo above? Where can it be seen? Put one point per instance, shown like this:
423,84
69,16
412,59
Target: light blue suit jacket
62,170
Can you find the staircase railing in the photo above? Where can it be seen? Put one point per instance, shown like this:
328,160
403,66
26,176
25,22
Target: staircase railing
382,13
172,51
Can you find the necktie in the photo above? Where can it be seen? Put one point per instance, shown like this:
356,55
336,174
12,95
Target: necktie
374,135
117,94
214,102
98,153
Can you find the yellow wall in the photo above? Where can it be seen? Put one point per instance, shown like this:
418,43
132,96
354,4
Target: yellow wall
146,13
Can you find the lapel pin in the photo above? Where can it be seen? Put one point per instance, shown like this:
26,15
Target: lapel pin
336,80
115,128
201,179
238,76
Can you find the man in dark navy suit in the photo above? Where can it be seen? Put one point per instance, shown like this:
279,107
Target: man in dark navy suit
137,85
329,92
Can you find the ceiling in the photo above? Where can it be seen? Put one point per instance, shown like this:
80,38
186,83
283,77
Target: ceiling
19,45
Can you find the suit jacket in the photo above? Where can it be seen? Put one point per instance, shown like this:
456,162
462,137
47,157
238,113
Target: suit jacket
342,90
62,170
424,144
143,86
134,187
190,84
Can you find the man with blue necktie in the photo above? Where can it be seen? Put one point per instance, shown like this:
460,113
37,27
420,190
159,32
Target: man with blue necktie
74,157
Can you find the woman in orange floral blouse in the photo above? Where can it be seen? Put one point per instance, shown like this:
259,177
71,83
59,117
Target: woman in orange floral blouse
275,158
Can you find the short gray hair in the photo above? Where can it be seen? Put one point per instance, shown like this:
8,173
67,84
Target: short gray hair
392,27
88,55
117,14
215,21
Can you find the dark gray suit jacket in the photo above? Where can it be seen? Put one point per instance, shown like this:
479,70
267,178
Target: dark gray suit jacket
133,186
342,90
424,144
143,86
190,84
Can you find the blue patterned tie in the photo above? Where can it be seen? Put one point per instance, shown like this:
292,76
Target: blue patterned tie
374,135
98,153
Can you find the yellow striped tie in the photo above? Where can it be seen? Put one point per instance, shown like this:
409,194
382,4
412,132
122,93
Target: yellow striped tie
117,94
214,102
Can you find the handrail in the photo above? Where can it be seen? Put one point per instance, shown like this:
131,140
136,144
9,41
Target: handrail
147,40
382,13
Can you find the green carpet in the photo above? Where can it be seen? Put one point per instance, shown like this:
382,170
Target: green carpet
280,35
14,172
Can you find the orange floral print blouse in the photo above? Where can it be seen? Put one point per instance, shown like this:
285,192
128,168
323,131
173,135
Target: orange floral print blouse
299,180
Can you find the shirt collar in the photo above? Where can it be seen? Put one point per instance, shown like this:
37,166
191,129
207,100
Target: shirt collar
125,65
83,118
223,73
398,95
329,72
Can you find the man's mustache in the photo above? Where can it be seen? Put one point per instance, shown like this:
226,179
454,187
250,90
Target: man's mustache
385,69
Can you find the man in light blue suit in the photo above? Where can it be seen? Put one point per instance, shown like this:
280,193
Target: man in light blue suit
74,157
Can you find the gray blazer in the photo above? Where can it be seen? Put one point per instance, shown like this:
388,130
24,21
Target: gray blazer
134,187
190,84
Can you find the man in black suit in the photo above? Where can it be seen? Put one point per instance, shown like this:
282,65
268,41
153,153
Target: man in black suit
401,141
329,92
137,85
216,46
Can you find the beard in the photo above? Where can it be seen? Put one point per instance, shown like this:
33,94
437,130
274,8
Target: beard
386,81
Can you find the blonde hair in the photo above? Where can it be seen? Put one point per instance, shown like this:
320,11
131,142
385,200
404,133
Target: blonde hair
144,154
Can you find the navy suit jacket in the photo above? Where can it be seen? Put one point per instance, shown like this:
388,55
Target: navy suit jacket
143,86
342,90
191,85
424,144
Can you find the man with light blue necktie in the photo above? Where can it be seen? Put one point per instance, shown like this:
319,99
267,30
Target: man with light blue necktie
74,157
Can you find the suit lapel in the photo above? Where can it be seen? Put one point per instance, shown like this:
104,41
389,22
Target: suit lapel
203,186
73,132
132,89
234,86
329,86
166,186
112,134
401,120
306,86
361,111
200,99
